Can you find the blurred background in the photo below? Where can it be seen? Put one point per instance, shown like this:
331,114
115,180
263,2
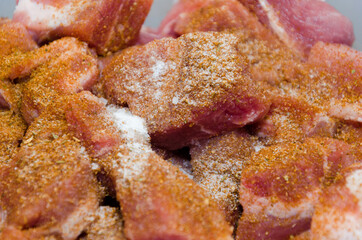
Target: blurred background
350,8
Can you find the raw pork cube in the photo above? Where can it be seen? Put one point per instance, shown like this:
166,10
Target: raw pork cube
156,198
186,89
107,25
301,24
281,184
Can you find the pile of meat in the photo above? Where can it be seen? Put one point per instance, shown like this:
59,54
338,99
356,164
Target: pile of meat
232,120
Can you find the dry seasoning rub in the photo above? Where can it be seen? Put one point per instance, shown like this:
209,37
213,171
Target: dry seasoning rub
63,67
14,38
156,198
106,25
48,186
281,184
190,88
194,87
12,129
217,164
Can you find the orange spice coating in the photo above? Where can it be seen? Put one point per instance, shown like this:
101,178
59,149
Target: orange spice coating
12,129
107,224
63,67
292,119
14,38
197,85
162,201
217,164
48,180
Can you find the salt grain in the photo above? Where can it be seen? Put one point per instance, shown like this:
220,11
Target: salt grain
133,130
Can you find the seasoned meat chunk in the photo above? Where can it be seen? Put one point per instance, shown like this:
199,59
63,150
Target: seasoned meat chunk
157,200
48,187
338,214
14,38
63,67
301,24
281,184
217,164
292,119
345,87
107,25
211,15
186,89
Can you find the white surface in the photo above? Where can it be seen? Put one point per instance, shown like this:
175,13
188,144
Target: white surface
39,14
350,8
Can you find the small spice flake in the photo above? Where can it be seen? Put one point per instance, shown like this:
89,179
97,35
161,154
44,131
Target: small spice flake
28,140
286,178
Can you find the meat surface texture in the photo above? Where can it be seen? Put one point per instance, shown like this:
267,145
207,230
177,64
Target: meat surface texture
107,25
186,89
269,59
217,164
281,184
336,93
212,15
292,119
345,64
337,58
339,212
14,37
157,200
10,95
63,67
301,24
12,129
48,188
107,224
234,119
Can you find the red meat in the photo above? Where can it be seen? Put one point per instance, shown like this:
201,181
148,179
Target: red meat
301,24
186,89
107,25
281,184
